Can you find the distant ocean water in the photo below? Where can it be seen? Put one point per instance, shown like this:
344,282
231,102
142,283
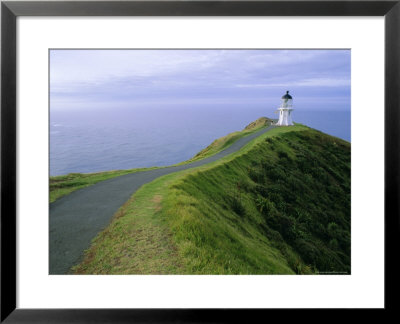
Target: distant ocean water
122,138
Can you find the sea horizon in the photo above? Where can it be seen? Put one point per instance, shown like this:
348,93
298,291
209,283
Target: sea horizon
122,138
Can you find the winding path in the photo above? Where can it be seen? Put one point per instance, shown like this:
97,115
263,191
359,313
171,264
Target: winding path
76,219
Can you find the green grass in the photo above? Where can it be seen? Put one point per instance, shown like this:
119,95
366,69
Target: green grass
65,184
226,141
281,205
137,240
290,194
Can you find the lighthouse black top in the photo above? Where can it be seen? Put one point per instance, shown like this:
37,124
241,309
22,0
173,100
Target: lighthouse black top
287,95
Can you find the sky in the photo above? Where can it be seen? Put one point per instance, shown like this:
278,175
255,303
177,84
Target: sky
105,79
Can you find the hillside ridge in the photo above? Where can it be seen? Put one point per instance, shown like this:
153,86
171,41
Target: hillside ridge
279,206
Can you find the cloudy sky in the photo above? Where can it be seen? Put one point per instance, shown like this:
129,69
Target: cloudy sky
105,79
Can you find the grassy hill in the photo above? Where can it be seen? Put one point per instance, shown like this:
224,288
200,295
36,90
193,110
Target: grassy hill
281,205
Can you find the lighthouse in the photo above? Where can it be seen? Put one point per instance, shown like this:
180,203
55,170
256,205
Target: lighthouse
285,111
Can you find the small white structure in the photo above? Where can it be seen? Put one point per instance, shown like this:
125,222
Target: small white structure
285,111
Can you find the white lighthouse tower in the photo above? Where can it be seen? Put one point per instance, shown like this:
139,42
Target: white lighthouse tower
285,111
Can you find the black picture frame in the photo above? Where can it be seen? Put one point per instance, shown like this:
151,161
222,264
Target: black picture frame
10,10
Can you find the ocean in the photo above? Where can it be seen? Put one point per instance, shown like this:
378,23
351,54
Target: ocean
123,138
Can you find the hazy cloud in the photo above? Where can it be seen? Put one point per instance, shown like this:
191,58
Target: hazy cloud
90,78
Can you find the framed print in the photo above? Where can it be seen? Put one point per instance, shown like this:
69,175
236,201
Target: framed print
124,168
